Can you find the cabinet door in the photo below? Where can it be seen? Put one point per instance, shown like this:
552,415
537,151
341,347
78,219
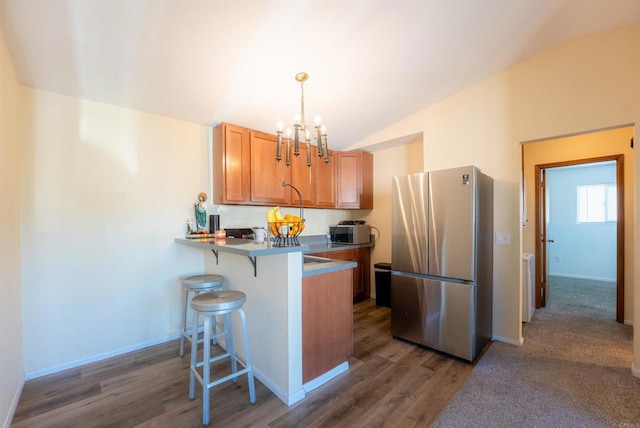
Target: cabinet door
327,322
362,289
302,176
348,182
354,178
324,180
267,174
360,272
231,164
366,174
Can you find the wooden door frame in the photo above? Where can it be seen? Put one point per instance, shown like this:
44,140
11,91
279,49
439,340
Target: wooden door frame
541,240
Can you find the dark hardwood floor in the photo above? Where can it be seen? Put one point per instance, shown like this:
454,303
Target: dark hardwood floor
389,383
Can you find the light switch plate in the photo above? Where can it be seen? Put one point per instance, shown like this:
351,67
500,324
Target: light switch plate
503,238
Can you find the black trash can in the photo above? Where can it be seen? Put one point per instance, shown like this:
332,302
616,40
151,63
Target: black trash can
383,284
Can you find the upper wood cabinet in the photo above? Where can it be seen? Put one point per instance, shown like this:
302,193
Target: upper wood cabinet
302,175
324,180
267,174
231,164
246,172
354,187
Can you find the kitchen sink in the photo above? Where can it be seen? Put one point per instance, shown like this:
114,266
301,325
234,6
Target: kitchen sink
309,260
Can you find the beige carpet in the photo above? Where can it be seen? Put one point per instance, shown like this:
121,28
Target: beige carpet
574,369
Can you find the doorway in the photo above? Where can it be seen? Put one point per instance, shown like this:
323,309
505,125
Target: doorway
611,144
594,207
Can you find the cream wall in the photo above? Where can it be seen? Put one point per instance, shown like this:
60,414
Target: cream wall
588,83
585,146
387,163
11,365
104,192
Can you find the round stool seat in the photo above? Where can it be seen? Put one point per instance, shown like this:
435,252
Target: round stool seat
221,301
203,282
194,285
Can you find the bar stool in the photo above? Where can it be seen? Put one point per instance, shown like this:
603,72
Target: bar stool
208,305
196,284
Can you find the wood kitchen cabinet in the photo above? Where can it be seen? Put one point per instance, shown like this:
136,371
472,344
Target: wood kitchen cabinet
324,180
302,175
231,164
327,322
267,174
246,172
354,180
361,274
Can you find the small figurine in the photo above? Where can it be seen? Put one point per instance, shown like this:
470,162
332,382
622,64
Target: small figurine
201,212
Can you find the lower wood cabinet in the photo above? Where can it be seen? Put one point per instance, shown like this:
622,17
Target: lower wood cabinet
361,273
327,322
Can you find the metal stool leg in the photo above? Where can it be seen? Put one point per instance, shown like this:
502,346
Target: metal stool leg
194,352
231,348
184,321
206,370
247,352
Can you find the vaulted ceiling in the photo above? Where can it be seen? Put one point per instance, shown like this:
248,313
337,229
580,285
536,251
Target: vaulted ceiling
371,62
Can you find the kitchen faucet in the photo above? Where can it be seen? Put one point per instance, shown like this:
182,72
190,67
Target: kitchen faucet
285,184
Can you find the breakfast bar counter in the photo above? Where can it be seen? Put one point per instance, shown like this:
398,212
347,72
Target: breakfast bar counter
243,247
252,249
286,300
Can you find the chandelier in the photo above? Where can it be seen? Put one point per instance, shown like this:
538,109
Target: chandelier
302,133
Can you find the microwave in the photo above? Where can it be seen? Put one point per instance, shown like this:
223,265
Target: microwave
350,233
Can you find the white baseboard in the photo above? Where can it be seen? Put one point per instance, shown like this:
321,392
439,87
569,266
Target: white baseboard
72,364
518,342
628,322
288,399
14,405
635,371
593,278
321,380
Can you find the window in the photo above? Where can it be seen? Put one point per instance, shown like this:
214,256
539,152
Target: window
597,203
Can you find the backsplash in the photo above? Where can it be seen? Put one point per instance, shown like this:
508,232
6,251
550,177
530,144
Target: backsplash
317,220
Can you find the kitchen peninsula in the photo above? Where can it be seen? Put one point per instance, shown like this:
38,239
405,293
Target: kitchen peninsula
299,309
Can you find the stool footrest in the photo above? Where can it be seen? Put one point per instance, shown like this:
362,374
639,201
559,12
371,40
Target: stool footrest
227,378
187,335
214,359
221,380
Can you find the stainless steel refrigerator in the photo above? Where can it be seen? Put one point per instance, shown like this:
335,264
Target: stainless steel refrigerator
442,260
